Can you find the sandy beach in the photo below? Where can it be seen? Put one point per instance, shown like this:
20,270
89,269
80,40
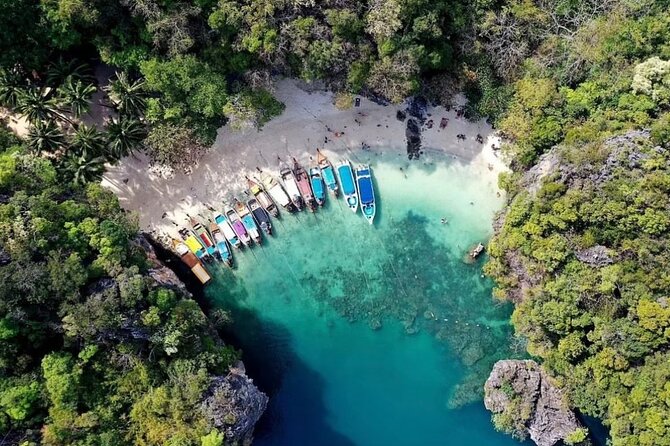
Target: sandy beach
309,118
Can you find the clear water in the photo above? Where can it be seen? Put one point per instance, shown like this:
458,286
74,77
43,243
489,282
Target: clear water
374,335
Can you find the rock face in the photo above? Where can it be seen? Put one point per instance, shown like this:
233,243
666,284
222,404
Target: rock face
521,393
233,404
158,271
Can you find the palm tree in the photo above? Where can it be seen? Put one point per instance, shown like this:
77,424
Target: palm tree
76,95
124,135
128,97
85,170
60,70
12,83
45,136
88,141
37,105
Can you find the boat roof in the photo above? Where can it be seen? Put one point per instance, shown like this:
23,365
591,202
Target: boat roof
365,190
347,179
193,243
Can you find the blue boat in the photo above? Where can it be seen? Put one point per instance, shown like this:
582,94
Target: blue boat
366,192
328,173
221,244
348,184
317,185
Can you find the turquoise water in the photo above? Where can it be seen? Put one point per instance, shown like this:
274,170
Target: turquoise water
374,335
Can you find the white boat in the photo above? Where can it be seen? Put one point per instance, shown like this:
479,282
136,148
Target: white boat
291,185
366,192
348,183
227,231
277,192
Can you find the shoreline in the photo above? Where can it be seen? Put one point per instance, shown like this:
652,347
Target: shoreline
309,118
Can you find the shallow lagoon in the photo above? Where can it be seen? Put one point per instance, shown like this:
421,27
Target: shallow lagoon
374,336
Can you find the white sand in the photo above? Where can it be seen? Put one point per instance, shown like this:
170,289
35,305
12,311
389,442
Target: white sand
297,132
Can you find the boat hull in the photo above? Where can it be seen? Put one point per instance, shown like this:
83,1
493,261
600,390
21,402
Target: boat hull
238,227
317,185
228,231
366,193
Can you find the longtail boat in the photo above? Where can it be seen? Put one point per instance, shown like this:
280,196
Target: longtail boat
291,185
260,215
238,227
328,173
277,192
196,247
228,232
221,244
348,184
190,260
302,179
205,237
248,221
263,198
366,192
318,188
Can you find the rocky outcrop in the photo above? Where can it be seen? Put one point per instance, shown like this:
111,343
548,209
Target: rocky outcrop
233,405
158,271
595,256
525,402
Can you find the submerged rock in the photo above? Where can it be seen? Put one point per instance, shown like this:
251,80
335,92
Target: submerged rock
525,402
233,405
413,135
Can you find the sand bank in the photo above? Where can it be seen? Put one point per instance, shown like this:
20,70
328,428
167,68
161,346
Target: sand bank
308,120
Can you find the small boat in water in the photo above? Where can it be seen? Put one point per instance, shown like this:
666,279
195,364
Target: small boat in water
263,198
248,221
192,261
366,192
317,185
238,227
348,184
205,237
291,185
277,192
328,173
221,244
260,215
228,232
476,251
302,179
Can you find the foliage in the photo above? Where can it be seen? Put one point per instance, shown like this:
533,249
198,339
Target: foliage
80,360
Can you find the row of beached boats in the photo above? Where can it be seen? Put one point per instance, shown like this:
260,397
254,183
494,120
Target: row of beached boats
245,223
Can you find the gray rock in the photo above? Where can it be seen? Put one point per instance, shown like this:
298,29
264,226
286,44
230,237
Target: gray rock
163,275
233,405
523,390
595,256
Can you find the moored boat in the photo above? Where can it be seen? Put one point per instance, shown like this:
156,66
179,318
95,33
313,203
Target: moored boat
192,261
277,192
302,179
238,226
318,187
221,244
263,198
228,231
366,192
248,221
260,215
195,245
291,185
328,173
205,237
348,184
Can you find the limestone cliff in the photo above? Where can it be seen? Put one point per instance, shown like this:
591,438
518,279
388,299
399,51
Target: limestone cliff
525,402
232,403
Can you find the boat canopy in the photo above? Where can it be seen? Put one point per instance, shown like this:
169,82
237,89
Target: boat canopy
347,178
329,176
317,186
193,244
365,187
